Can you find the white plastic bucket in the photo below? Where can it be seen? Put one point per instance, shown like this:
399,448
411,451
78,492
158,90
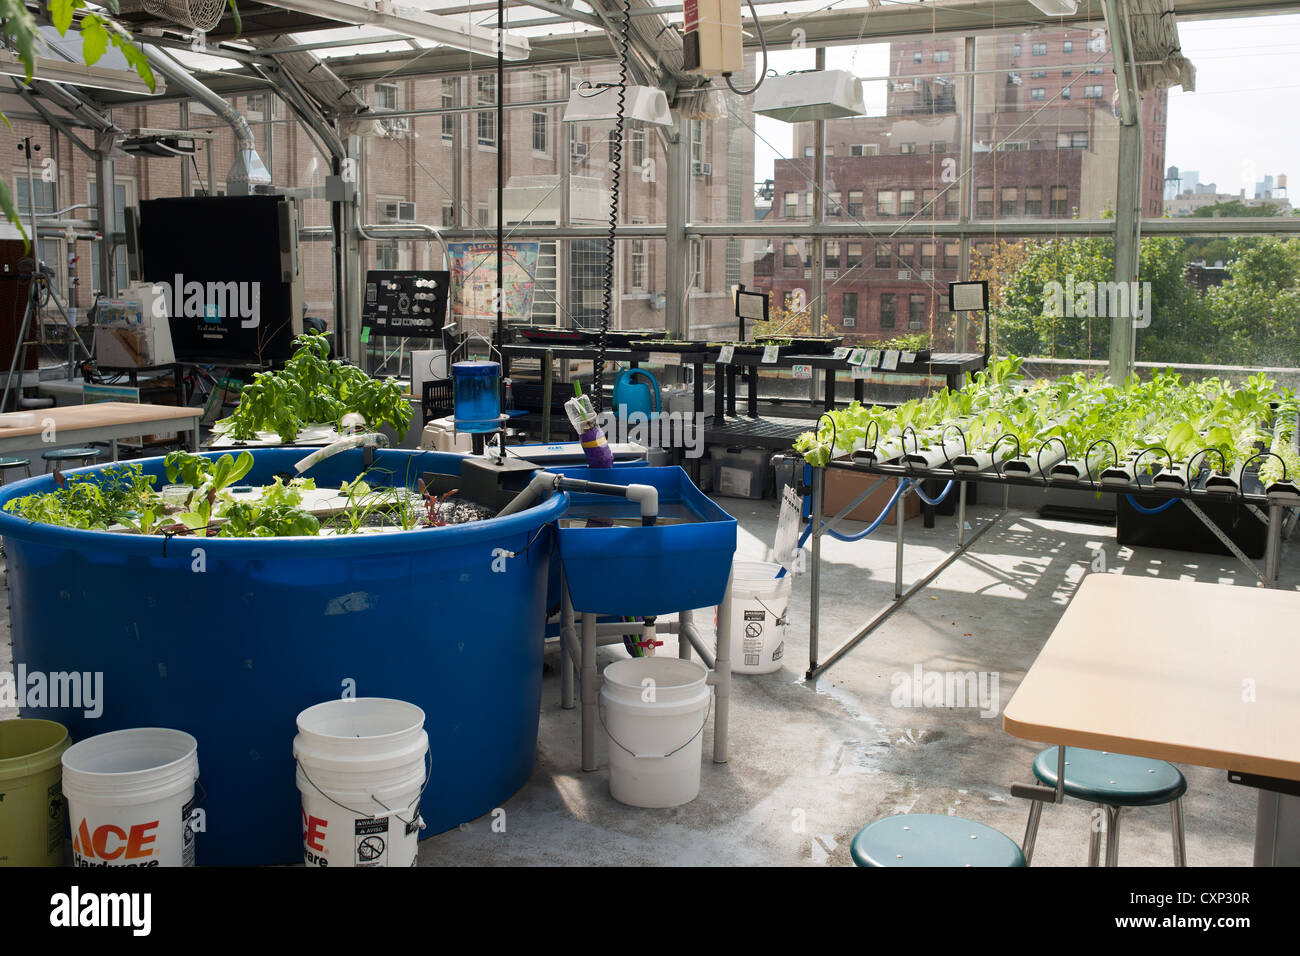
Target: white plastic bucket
131,797
759,602
361,771
654,710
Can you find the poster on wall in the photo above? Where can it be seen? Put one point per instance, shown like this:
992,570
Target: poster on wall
473,279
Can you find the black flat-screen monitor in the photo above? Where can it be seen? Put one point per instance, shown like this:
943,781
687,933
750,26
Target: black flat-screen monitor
227,265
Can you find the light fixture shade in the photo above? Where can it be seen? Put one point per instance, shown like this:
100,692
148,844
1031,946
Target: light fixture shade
1057,8
598,106
816,95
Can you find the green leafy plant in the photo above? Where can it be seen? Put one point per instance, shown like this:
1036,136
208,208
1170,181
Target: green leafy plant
313,389
249,520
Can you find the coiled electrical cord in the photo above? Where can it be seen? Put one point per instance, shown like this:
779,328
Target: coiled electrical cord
615,176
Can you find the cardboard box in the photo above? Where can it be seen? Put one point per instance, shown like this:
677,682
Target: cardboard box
843,486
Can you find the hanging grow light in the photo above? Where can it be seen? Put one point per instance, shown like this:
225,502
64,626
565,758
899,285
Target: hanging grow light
598,106
814,95
1057,8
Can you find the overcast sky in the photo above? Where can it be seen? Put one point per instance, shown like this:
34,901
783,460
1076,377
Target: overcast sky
1238,126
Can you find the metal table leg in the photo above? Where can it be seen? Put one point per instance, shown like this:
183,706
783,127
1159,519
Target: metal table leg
722,678
588,688
1277,829
814,599
567,639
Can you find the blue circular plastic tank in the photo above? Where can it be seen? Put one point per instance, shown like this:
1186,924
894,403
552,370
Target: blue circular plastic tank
229,639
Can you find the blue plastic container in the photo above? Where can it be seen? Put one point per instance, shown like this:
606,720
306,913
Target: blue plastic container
640,571
230,644
478,396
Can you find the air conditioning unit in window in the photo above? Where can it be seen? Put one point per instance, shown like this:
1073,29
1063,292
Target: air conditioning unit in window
579,150
396,211
395,126
701,169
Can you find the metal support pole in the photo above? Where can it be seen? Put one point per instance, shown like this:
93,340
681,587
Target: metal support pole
722,678
686,619
567,640
677,247
1273,548
961,513
814,600
588,689
898,553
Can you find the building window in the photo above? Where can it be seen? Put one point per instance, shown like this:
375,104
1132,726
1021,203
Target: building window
386,97
888,305
951,202
849,309
386,255
1092,92
906,251
951,255
906,202
1033,200
884,255
1097,44
1059,206
855,203
1067,46
1015,50
791,205
699,261
864,149
1038,93
448,102
1038,75
918,57
636,265
915,311
886,203
984,202
854,252
697,143
906,148
49,247
833,207
448,213
929,202
636,146
792,259
1039,49
927,255
1072,140
487,121
942,56
1065,92
1007,207
541,134
1067,72
939,146
831,253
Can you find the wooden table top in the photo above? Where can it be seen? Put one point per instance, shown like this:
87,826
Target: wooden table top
1202,674
99,415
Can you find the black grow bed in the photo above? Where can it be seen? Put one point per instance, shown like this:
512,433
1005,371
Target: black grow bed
1177,529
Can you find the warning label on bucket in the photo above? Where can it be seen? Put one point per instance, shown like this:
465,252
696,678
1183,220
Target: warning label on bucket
372,838
755,615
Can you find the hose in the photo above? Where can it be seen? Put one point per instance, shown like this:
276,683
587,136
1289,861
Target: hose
932,502
859,535
1151,511
615,174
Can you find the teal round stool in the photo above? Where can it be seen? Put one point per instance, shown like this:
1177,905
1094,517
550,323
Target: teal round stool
1112,782
57,456
14,461
928,839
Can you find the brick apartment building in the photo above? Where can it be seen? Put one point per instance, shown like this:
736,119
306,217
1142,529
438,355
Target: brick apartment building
1045,146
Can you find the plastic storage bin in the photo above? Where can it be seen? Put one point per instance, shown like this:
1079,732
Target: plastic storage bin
740,472
478,396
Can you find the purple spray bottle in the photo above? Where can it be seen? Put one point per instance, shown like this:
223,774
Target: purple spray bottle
583,418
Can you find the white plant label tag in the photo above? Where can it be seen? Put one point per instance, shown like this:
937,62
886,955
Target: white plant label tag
890,362
770,354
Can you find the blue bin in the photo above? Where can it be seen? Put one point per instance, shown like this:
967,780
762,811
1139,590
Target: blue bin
639,571
232,653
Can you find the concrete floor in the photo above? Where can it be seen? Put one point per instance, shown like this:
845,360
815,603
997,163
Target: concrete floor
812,763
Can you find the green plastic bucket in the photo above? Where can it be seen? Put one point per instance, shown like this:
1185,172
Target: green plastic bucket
32,815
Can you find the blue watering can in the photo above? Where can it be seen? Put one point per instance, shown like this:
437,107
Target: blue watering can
630,396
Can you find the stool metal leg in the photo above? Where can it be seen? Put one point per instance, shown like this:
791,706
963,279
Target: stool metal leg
1112,836
1094,838
1176,825
1031,830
